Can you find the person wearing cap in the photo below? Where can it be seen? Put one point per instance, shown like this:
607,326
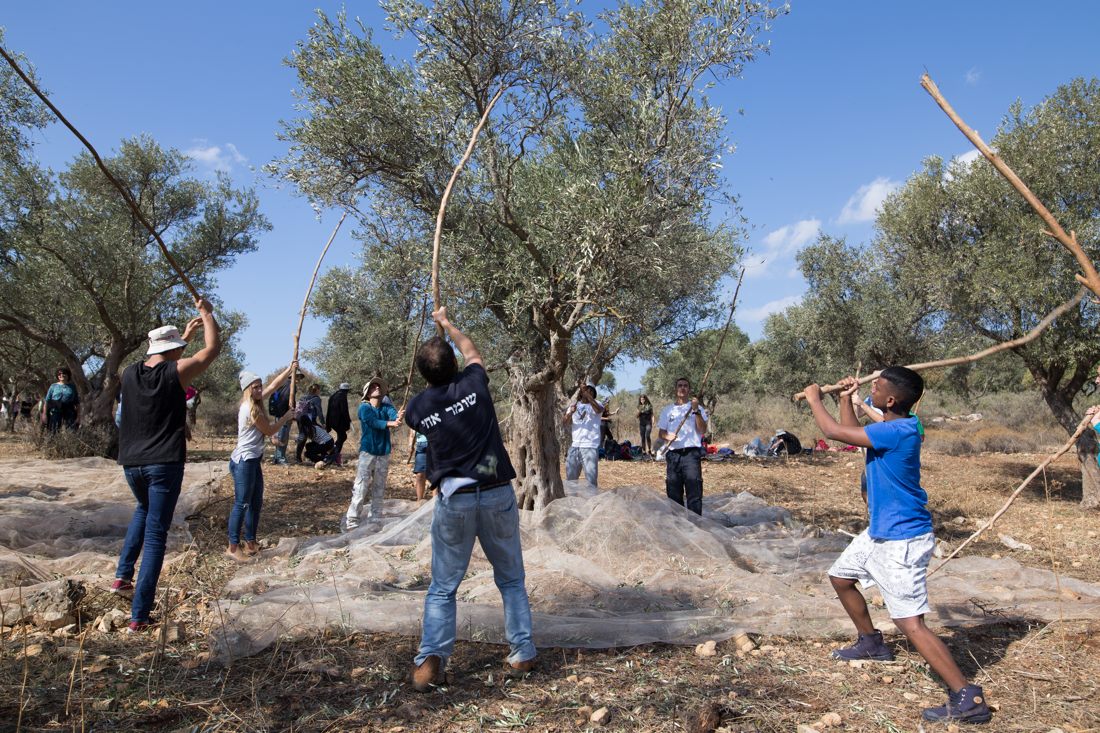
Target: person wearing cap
152,449
467,461
244,463
279,404
375,419
338,418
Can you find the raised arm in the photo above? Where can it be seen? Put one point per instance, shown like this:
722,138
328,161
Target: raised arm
829,426
193,366
278,380
462,341
849,394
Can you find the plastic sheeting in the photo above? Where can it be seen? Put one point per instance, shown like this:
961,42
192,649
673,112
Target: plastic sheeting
614,568
68,518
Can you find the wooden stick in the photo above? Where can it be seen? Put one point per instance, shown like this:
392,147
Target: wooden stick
438,237
1039,469
305,303
1091,279
1014,343
110,176
717,353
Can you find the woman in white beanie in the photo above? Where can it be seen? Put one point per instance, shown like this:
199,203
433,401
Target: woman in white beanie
244,463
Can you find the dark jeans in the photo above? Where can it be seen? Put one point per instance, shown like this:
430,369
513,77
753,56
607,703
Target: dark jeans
684,478
248,499
341,436
645,430
157,489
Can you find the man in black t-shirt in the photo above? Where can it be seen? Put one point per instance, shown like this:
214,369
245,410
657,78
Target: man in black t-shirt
467,462
152,450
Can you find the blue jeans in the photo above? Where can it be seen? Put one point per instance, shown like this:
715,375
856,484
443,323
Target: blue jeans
589,458
280,448
248,499
684,478
493,518
157,489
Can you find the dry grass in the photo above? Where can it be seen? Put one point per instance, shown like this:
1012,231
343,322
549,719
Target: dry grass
1040,676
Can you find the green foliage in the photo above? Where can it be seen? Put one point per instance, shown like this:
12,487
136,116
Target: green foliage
855,312
691,358
588,205
82,277
964,237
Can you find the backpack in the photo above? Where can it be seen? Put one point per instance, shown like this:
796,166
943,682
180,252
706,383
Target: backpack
279,402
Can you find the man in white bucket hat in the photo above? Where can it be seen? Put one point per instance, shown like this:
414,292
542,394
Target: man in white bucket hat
152,448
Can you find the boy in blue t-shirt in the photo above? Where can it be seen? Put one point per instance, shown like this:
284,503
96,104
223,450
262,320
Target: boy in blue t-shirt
894,551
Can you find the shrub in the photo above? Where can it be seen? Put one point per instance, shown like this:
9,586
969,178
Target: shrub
86,441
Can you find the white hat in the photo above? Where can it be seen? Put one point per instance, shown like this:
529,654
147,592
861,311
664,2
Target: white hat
164,339
344,385
247,378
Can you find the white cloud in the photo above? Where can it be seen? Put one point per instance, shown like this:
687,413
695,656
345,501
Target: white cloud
963,161
863,205
758,314
780,246
973,76
216,157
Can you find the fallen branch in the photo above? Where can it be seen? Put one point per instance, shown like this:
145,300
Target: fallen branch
1039,469
1091,279
706,375
106,171
305,304
956,360
438,237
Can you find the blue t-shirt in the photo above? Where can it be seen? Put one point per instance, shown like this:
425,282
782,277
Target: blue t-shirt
376,433
897,503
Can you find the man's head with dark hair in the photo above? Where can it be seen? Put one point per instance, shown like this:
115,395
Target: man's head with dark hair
435,360
904,385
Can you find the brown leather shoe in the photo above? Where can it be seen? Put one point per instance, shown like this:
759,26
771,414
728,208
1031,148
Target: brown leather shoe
427,673
518,669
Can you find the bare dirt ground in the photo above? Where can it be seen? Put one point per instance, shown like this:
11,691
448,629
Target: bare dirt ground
1039,676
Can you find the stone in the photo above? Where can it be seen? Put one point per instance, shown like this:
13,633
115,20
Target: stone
706,649
803,728
584,713
48,605
588,681
572,678
910,696
829,720
112,620
600,717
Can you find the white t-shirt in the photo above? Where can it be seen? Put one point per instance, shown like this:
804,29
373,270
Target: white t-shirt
250,441
670,419
586,427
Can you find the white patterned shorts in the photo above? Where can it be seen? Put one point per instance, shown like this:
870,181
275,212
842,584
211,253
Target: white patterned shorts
898,567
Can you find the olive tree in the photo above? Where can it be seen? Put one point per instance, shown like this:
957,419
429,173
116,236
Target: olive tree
591,195
962,235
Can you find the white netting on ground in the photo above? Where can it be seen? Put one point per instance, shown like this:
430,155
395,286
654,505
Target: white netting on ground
616,568
68,518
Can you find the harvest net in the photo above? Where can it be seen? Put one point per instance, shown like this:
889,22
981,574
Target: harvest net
610,568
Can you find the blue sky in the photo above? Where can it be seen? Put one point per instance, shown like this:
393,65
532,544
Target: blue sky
825,126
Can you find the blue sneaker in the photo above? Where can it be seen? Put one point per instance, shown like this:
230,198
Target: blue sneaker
965,706
868,646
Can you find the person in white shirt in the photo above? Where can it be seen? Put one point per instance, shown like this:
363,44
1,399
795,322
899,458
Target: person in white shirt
683,461
584,415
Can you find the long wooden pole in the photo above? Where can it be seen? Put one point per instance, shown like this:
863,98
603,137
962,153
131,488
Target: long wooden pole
305,304
713,361
1038,469
438,237
954,361
106,171
412,365
1091,279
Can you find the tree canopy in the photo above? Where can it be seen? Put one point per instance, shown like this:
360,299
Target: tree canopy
592,195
